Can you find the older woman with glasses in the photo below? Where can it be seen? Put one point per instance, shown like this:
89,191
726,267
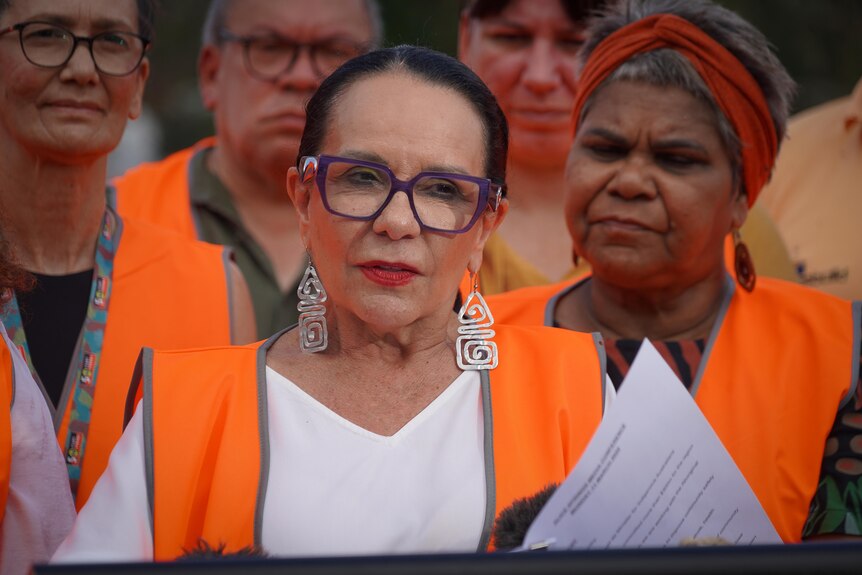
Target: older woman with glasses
71,74
386,422
680,111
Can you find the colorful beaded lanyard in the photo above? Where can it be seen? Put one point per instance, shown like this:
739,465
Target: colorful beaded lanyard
82,379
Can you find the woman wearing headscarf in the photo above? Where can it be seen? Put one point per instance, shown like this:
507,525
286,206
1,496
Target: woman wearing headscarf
36,510
525,50
679,113
385,422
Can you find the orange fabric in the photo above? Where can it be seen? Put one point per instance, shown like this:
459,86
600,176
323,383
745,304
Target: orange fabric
735,91
545,405
6,390
526,306
466,286
169,293
778,370
771,391
158,192
206,484
546,401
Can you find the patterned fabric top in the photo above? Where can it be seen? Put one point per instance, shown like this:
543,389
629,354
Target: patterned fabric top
836,508
682,356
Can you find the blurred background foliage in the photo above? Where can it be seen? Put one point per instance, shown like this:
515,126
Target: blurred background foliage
820,43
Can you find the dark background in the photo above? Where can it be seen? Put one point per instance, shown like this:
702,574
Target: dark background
819,41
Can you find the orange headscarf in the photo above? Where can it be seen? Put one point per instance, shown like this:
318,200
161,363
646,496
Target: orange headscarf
734,89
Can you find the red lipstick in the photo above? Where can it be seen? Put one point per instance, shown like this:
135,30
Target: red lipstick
389,274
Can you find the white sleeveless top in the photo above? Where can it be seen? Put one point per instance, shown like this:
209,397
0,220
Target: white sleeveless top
419,490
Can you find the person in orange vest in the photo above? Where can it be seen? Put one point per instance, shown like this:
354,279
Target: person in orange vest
36,510
385,422
525,50
678,118
105,285
259,64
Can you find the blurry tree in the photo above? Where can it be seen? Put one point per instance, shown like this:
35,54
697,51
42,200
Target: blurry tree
819,42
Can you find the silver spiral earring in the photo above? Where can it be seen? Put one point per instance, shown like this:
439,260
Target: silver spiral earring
473,348
313,334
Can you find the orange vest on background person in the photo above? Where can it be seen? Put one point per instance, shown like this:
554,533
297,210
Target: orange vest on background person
7,394
158,192
779,364
207,476
167,292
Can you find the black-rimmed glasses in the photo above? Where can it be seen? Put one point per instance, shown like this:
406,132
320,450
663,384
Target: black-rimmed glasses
268,56
360,190
47,45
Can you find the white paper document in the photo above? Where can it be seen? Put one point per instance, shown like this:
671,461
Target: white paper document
654,474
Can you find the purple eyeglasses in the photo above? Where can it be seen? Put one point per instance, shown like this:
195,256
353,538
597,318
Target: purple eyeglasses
360,190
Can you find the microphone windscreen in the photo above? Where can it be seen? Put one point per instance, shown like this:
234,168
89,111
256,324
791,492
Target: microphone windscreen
514,521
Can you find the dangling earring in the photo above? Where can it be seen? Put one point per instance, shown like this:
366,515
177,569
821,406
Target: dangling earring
313,335
473,348
743,264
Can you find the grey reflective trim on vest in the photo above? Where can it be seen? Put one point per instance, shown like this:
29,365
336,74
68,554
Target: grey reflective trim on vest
13,379
599,342
147,376
729,289
490,476
226,259
190,180
263,431
68,384
551,306
856,306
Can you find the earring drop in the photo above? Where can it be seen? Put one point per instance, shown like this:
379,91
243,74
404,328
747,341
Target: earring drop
743,264
313,334
473,348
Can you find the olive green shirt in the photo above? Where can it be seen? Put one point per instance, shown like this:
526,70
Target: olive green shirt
218,222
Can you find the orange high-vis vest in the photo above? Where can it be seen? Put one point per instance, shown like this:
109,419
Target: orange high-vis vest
779,364
158,192
205,428
7,393
168,292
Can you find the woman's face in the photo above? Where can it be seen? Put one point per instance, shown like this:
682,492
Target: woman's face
71,113
389,272
650,191
526,55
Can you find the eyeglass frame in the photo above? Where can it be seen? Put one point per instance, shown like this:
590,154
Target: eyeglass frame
19,27
225,35
315,168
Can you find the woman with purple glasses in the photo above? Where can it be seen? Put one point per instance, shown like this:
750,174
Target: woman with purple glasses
386,421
